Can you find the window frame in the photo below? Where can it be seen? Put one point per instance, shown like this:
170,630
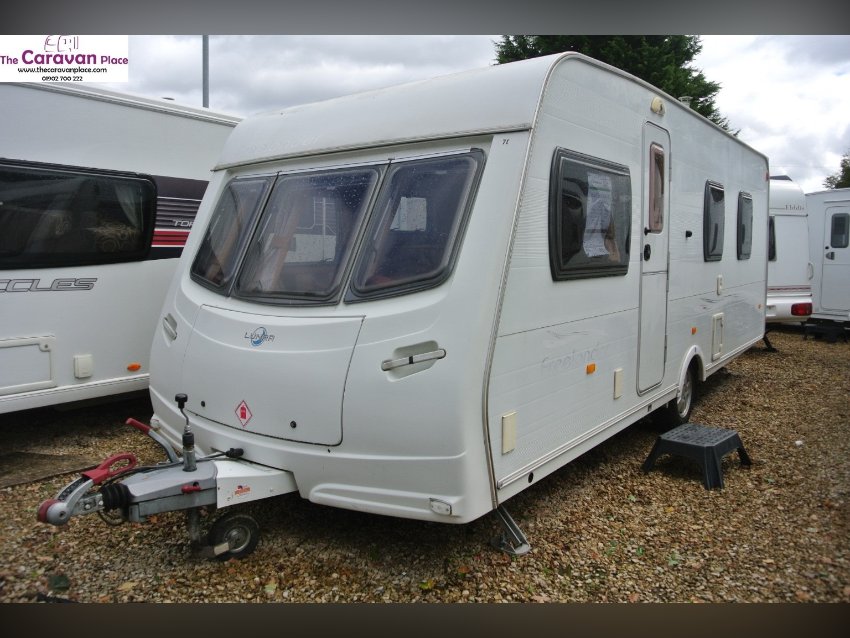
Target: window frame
378,214
709,223
744,242
771,238
65,260
227,283
345,263
559,267
846,238
657,187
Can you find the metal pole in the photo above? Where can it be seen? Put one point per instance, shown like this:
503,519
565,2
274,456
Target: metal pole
206,71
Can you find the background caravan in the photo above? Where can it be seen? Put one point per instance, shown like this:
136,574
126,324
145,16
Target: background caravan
98,191
419,300
829,229
789,268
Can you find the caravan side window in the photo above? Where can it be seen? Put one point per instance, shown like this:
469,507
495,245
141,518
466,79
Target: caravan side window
63,216
590,205
713,217
840,234
745,225
771,240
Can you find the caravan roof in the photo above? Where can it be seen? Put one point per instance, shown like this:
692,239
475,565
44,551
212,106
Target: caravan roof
499,98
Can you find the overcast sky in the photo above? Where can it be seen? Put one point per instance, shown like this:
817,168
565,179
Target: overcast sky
788,95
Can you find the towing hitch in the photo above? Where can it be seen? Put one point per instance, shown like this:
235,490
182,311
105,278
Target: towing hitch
123,488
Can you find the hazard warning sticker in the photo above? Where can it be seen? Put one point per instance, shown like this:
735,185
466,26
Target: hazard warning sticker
243,413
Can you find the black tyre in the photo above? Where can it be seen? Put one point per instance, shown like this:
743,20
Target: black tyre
678,411
238,530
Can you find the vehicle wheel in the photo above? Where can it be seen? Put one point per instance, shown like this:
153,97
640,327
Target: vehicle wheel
238,530
678,411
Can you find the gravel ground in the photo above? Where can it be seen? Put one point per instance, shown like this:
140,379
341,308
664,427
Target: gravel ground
600,529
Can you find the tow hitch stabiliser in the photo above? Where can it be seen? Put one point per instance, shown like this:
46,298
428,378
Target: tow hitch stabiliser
121,487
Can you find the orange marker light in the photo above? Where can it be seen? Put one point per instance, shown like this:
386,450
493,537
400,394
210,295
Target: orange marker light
694,330
134,366
591,368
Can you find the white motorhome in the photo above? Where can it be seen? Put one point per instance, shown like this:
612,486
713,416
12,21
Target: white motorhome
98,191
789,269
829,233
420,300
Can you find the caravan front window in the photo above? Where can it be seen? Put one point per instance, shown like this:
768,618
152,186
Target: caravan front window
63,216
305,236
412,237
215,263
590,206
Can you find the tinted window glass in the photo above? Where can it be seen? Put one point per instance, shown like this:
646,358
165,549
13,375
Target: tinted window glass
713,222
412,238
771,240
306,234
53,216
656,189
745,225
216,260
590,208
840,228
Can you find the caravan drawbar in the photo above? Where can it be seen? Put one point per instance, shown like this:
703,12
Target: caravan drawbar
418,301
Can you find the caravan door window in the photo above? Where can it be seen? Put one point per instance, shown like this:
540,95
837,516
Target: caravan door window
745,225
61,216
306,235
656,189
590,206
412,238
840,235
713,222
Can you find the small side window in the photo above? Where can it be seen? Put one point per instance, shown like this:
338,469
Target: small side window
656,189
590,208
713,222
840,235
745,225
64,216
771,240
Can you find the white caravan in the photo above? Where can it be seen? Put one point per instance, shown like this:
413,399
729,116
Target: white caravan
420,300
98,191
789,270
829,233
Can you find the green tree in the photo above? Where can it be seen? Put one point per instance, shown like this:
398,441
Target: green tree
842,178
662,60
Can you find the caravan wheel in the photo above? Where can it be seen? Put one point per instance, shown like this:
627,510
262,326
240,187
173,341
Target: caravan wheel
678,411
239,531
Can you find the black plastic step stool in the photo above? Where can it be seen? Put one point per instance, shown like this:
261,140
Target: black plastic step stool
704,444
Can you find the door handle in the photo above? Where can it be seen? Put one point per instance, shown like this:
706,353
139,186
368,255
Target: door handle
392,364
830,254
647,252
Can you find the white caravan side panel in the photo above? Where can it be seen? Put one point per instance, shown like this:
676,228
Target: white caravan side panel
789,268
829,225
565,364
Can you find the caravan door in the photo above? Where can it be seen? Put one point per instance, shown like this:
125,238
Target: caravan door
835,293
653,244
